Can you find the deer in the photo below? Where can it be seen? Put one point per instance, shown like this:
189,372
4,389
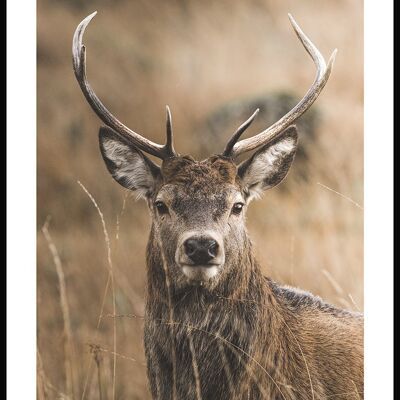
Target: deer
215,326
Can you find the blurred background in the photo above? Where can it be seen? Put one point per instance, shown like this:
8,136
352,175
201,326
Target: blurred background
213,63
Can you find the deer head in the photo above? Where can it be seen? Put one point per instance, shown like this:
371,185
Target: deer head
198,207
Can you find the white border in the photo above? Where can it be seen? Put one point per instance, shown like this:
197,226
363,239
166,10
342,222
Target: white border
378,242
21,199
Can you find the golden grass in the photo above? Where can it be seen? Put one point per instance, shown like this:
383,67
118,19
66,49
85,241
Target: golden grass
111,282
194,56
69,351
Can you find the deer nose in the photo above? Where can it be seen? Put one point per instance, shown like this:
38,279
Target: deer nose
201,250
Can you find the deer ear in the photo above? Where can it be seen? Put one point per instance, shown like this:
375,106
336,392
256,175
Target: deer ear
128,165
269,165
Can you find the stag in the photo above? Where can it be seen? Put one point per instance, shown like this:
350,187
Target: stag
216,328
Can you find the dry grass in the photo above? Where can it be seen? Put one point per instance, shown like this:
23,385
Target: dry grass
69,351
194,56
110,282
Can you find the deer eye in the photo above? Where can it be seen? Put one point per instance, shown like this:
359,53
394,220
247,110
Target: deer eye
237,208
161,207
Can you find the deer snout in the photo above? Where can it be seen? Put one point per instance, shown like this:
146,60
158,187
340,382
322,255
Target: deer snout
201,250
201,255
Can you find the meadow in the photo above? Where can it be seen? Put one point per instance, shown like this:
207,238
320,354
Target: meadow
195,57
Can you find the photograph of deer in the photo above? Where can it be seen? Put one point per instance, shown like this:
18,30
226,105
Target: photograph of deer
215,326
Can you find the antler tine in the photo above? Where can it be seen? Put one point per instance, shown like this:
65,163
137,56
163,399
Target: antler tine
235,137
79,65
322,76
169,146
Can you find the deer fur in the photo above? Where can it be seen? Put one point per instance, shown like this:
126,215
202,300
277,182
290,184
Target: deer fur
239,335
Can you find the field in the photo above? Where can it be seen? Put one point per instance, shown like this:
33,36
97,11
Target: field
195,57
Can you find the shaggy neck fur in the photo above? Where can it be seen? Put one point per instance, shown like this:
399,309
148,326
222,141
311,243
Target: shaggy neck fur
248,338
215,332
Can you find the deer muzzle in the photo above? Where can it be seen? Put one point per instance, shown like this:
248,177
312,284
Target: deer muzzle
200,255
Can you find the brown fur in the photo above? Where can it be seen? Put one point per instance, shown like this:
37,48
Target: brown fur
185,170
246,337
237,335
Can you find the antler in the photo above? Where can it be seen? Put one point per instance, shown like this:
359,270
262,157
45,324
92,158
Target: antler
229,147
235,148
79,64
